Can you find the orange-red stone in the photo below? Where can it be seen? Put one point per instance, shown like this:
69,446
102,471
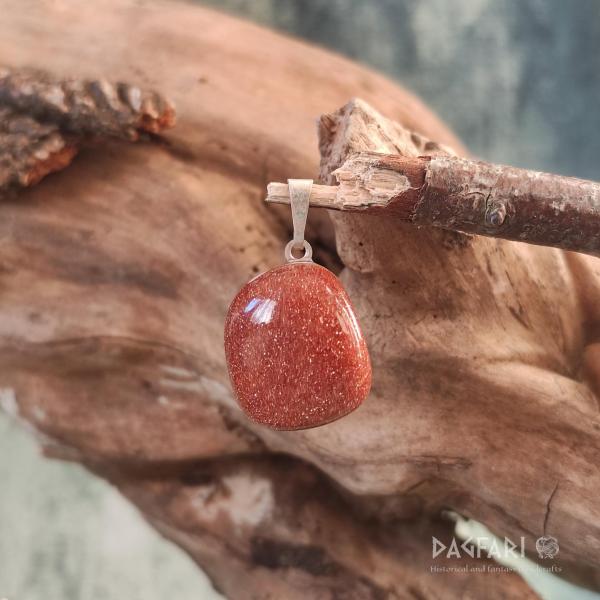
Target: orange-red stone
295,352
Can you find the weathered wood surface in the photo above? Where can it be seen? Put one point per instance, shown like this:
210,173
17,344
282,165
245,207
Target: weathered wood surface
491,343
116,275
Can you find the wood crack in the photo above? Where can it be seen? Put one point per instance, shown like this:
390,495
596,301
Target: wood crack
548,507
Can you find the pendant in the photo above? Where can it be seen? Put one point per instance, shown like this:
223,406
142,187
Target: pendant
295,352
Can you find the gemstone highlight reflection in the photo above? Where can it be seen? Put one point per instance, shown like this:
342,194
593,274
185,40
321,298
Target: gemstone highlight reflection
295,352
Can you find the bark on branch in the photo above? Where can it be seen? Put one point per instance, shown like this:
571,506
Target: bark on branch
467,196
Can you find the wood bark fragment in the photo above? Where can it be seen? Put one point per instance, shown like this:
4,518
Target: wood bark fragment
44,120
466,196
29,150
86,106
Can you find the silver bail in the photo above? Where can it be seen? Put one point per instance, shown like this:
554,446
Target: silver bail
299,198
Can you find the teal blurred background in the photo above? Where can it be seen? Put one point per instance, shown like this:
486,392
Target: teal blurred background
517,80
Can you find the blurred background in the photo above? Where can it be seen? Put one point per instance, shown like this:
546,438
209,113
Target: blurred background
517,81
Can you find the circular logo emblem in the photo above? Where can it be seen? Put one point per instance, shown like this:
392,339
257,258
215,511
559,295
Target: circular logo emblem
547,546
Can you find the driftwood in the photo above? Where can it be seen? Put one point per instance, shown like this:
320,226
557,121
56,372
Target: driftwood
467,196
117,273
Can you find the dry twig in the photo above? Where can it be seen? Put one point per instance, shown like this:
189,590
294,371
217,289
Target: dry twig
467,196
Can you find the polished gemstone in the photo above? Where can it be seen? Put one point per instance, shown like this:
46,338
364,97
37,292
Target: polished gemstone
295,352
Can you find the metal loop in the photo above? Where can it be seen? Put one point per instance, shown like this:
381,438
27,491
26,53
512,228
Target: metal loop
299,199
307,252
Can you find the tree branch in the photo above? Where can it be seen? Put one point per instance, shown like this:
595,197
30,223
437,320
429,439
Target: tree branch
467,196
